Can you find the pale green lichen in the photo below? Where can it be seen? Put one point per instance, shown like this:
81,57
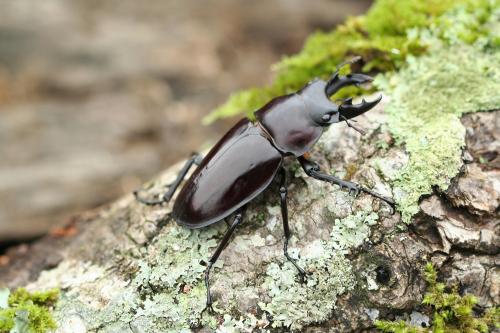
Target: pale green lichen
167,293
352,231
428,97
295,305
172,280
246,323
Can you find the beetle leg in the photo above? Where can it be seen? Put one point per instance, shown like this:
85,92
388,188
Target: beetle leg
389,201
236,221
227,222
286,227
312,169
194,159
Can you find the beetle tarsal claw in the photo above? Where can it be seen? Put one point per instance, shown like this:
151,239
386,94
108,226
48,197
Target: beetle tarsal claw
303,278
352,188
209,308
149,202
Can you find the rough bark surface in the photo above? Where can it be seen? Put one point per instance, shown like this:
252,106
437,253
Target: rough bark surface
130,268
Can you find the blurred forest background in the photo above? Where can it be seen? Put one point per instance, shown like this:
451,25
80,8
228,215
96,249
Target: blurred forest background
98,96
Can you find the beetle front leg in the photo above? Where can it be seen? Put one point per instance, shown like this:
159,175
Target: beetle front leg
286,227
312,169
194,159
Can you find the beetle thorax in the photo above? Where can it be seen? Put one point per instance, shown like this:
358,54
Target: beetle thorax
289,125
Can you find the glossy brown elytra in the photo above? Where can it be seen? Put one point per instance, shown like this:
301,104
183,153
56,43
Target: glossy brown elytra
250,155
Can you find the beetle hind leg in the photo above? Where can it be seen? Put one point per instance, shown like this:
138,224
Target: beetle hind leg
238,218
284,213
194,159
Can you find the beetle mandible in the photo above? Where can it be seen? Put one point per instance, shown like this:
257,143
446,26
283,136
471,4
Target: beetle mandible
250,155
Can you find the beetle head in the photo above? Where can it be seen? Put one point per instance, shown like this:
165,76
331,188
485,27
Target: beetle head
347,110
322,111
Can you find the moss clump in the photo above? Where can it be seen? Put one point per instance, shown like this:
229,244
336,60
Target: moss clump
452,313
428,98
27,312
380,37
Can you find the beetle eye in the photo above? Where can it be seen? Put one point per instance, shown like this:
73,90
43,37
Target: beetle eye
326,117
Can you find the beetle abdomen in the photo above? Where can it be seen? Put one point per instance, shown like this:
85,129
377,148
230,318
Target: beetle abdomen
239,167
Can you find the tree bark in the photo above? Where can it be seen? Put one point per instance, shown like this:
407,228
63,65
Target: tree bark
128,267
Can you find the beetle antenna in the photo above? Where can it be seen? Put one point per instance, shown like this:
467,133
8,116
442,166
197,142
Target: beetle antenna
357,129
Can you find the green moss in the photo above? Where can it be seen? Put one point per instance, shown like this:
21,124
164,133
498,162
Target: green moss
428,97
28,312
395,17
7,319
380,37
452,313
22,296
399,326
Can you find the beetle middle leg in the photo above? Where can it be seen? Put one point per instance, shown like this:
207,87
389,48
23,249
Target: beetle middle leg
284,213
312,169
194,159
238,218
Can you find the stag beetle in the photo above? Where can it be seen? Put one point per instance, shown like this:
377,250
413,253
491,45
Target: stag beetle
250,155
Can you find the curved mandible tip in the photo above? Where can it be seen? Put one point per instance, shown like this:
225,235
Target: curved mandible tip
337,82
348,110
